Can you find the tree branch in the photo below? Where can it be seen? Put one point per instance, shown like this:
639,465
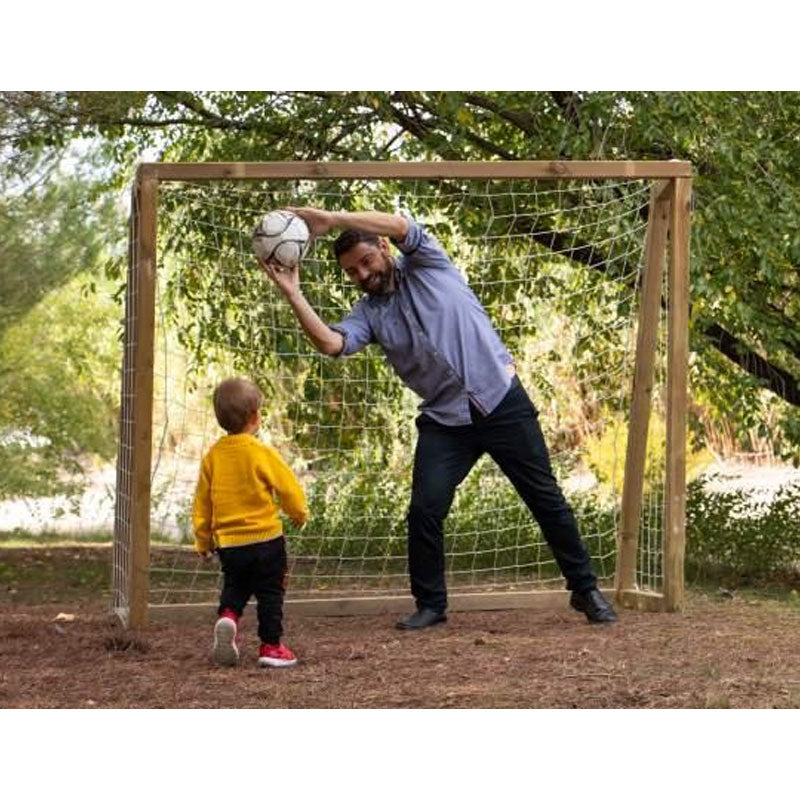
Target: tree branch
525,122
569,103
771,377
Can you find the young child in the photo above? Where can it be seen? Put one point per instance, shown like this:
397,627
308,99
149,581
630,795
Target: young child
235,509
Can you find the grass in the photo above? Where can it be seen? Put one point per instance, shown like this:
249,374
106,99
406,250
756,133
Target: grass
44,574
21,538
37,568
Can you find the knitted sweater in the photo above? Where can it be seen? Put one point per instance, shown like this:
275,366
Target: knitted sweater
242,484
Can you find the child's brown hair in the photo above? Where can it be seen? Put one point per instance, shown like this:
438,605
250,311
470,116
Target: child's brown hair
235,401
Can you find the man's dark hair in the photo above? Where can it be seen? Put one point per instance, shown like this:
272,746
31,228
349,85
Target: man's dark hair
235,401
348,239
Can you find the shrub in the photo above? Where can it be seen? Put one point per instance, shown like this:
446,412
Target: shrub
738,535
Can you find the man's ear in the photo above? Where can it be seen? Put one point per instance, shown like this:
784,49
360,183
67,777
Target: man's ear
383,245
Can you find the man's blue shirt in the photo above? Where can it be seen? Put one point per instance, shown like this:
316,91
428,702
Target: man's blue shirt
434,332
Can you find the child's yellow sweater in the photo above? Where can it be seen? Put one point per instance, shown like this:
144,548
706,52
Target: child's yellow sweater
242,483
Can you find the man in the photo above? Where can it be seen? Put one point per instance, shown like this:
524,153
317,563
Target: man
440,341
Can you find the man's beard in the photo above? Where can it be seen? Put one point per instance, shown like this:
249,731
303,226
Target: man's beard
379,283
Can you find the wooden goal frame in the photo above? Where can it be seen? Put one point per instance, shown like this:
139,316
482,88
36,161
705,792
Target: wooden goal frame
667,241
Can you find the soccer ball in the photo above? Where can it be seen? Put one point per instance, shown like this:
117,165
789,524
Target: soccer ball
281,237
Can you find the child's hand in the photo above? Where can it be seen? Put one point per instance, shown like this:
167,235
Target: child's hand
299,523
207,556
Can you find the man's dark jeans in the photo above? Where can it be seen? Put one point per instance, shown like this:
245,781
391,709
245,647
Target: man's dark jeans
445,454
256,569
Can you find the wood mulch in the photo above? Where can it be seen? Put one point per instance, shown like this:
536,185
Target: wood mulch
725,651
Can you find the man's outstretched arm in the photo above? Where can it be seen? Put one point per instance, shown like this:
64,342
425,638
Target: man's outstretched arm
320,222
325,339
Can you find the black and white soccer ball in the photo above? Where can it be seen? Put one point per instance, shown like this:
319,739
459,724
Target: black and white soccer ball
281,238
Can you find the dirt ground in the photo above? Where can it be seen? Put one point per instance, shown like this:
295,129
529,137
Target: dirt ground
728,650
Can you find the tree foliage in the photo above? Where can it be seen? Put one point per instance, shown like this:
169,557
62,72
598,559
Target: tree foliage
57,376
743,146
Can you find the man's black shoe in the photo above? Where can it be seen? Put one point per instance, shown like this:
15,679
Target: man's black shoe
594,605
422,618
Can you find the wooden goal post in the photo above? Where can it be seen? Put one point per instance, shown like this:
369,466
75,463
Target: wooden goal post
666,244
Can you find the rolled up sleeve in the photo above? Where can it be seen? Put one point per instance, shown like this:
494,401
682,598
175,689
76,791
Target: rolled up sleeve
355,329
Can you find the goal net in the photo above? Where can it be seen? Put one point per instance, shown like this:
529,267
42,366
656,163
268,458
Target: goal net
558,266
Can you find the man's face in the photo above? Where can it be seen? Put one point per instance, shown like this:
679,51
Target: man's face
369,266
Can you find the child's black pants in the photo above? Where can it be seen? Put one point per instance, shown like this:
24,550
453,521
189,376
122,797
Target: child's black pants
256,570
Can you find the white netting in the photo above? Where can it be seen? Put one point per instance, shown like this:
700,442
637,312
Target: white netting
557,265
123,510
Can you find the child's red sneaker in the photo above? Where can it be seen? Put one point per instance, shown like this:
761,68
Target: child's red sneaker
225,652
275,655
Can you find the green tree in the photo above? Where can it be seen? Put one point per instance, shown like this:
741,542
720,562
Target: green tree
58,330
58,385
746,233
